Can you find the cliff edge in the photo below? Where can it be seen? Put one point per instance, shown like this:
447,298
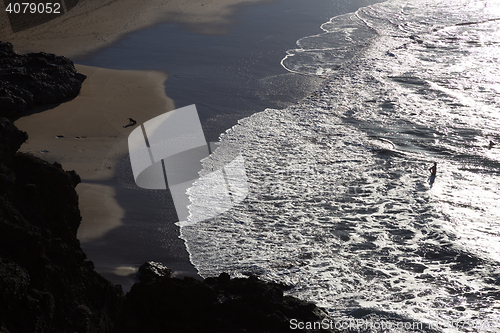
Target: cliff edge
34,79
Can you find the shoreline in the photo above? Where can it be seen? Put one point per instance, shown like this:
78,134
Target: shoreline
86,134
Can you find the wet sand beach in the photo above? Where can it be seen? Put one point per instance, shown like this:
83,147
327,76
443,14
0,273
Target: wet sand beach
87,135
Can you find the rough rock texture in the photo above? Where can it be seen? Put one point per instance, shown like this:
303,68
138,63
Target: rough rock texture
160,303
33,79
45,283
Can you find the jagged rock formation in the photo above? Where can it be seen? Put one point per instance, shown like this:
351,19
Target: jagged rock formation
160,303
46,285
34,79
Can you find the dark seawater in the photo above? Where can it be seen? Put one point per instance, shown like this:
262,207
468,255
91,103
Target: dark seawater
233,75
340,205
340,202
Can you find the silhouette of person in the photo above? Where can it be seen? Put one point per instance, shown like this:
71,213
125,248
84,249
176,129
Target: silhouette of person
433,169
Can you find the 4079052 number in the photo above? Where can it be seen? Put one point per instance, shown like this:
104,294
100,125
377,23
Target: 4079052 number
32,8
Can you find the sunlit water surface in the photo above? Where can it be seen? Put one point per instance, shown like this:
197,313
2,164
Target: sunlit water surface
340,206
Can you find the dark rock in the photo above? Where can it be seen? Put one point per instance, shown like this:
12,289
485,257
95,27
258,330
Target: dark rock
33,79
152,270
218,304
75,178
45,283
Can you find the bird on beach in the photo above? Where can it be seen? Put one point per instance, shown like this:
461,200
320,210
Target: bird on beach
132,122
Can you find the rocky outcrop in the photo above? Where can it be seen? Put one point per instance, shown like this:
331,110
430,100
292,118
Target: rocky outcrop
46,285
34,79
160,303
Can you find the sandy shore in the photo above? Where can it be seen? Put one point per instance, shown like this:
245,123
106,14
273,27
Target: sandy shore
86,134
93,24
